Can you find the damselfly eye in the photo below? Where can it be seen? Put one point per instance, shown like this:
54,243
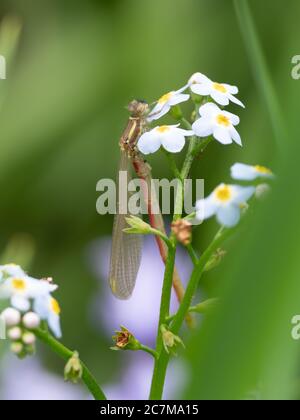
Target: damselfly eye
142,101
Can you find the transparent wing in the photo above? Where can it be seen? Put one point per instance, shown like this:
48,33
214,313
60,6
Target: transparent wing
126,251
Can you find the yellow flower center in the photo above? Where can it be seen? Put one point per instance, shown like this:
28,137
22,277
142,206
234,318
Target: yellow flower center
223,193
223,120
263,170
165,98
55,306
19,284
220,88
163,129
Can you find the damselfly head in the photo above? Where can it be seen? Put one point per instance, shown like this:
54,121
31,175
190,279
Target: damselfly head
138,108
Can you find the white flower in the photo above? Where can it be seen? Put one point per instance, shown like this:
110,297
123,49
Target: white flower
226,202
31,320
243,172
21,289
10,270
170,137
49,310
165,103
222,93
218,123
11,317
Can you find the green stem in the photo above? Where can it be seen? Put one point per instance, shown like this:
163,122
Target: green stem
160,366
189,158
221,236
172,164
201,308
193,254
149,351
66,354
185,123
202,145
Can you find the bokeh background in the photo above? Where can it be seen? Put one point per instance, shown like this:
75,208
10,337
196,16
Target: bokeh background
72,68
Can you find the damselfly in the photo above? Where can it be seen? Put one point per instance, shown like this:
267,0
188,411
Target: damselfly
126,248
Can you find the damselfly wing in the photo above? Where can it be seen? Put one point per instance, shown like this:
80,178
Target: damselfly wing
126,248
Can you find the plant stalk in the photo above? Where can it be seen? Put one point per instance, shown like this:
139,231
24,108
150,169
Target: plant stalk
66,354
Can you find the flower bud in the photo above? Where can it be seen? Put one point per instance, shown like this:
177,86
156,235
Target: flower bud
124,340
73,369
31,320
262,190
170,340
182,229
137,226
11,317
14,333
28,338
215,259
16,348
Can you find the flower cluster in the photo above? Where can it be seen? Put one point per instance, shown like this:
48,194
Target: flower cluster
227,201
30,301
213,120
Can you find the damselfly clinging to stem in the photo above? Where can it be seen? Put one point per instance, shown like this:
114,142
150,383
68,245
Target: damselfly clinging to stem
126,248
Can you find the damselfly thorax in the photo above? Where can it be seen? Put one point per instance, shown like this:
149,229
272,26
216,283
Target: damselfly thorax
135,127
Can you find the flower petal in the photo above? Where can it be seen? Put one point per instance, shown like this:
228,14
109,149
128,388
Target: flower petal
186,133
41,307
222,135
242,194
54,325
231,89
173,141
235,136
220,98
243,172
158,112
203,127
206,208
236,101
235,120
209,110
178,99
199,78
20,302
201,89
229,215
149,143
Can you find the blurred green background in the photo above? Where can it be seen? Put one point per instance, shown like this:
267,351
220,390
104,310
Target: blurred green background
76,66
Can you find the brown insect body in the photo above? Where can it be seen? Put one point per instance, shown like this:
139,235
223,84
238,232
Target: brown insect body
135,126
126,248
